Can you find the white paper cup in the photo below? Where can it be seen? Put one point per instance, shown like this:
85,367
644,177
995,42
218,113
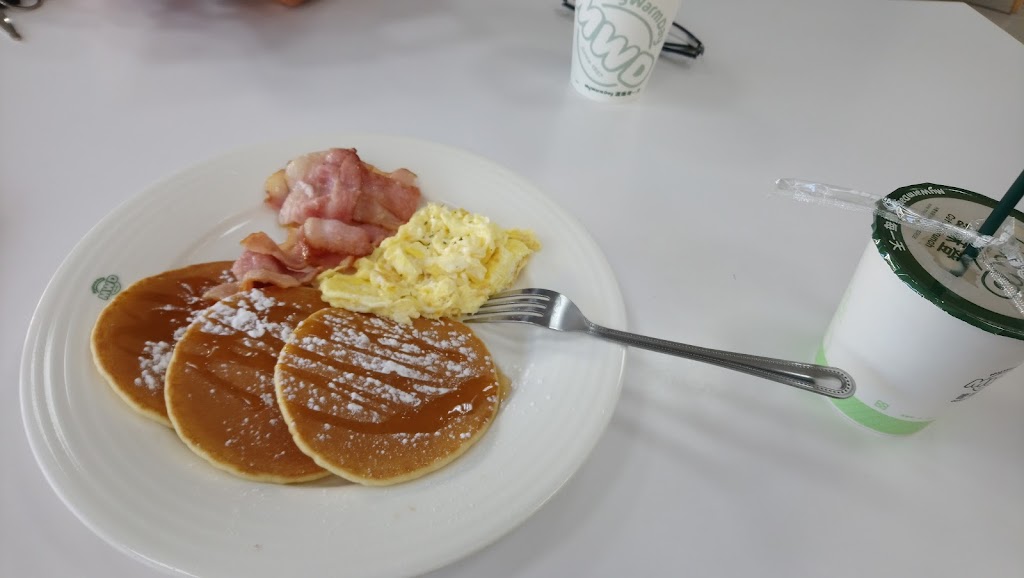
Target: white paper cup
919,340
615,45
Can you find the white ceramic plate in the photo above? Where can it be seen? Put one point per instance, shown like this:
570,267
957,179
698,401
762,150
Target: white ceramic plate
132,481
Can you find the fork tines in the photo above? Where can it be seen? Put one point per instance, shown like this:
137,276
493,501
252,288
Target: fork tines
522,305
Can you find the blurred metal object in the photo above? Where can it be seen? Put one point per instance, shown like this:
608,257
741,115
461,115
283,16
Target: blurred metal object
21,4
8,26
5,21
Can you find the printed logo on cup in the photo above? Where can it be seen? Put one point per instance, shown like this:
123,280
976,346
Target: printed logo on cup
618,41
978,384
1009,274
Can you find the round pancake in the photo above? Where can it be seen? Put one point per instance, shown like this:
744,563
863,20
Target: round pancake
378,402
134,335
220,385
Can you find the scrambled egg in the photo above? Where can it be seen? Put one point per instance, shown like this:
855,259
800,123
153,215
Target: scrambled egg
442,263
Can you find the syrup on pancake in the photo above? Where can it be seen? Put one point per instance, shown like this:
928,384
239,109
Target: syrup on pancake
135,333
220,385
378,402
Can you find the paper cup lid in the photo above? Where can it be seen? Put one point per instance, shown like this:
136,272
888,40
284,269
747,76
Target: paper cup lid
924,261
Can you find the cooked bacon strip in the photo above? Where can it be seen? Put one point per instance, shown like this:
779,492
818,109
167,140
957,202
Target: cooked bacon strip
223,290
276,187
334,236
252,268
393,191
263,277
285,254
253,261
336,184
405,177
377,234
324,184
336,208
371,211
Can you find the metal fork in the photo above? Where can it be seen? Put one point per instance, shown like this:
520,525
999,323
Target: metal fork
553,310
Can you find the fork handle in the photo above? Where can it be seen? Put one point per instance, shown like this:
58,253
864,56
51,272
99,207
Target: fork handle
820,379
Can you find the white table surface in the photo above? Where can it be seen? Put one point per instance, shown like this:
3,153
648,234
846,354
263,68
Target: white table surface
701,472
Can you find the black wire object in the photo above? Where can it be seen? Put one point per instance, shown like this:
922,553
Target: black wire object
692,49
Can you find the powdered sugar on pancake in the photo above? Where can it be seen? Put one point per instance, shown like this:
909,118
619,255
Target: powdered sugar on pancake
243,316
380,354
156,355
153,364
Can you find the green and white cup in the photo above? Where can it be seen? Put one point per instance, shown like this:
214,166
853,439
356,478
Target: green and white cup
615,45
918,339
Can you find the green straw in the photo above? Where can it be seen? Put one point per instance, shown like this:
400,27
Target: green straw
995,219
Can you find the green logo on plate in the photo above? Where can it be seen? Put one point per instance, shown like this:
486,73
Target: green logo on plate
881,405
106,287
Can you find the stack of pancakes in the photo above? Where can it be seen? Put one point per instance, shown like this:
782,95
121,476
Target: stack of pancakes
273,385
